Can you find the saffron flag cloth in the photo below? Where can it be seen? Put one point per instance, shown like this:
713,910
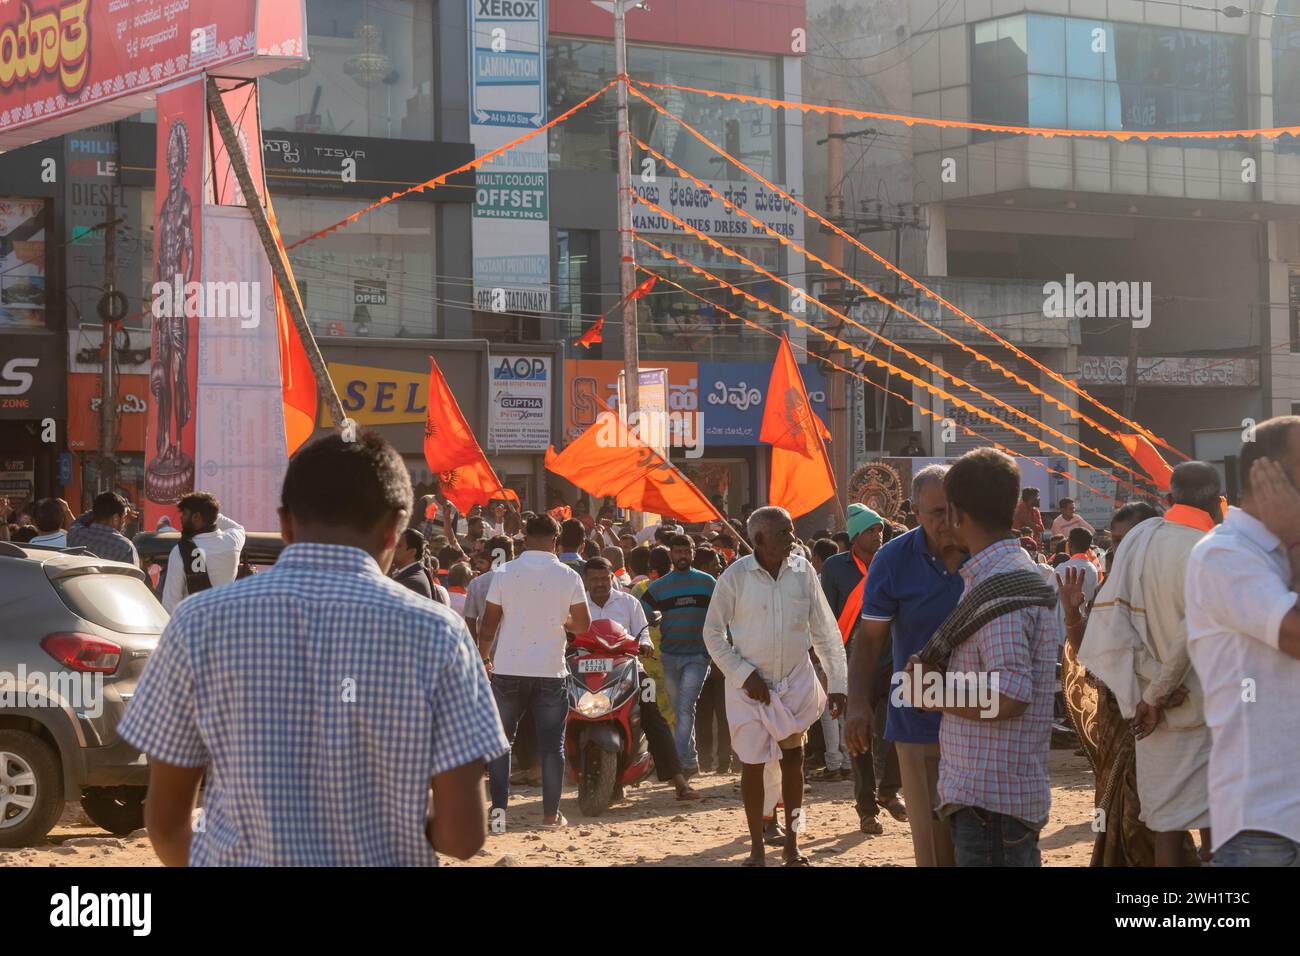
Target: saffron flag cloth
452,452
641,291
1145,454
608,460
801,470
593,336
562,513
297,380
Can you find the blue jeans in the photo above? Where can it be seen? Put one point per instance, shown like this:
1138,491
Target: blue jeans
548,701
1257,848
684,675
983,838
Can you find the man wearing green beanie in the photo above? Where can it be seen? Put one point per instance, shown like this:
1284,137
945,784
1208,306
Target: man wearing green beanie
843,581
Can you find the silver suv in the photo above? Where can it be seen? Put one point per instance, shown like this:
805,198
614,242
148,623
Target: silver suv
75,634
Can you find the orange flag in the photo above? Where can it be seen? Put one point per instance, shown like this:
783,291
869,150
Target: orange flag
641,291
1145,454
801,470
607,460
453,454
297,380
593,335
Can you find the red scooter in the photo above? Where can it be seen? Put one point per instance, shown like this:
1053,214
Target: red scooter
604,745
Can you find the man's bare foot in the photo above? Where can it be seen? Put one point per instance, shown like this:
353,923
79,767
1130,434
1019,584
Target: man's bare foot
686,792
754,860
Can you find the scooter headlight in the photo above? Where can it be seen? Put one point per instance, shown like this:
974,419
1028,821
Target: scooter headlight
593,705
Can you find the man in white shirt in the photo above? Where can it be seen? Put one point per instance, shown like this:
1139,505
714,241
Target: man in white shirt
51,517
1243,636
1079,541
1069,519
609,604
773,605
531,602
208,555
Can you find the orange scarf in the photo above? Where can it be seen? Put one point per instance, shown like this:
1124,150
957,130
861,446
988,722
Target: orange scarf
1190,517
853,606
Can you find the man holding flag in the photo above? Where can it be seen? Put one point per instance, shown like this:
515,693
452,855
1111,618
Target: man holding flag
844,579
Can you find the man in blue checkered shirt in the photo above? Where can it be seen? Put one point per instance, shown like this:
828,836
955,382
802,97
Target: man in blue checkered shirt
99,530
340,718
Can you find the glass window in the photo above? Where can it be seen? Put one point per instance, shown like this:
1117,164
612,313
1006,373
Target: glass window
577,265
1046,44
1047,106
375,278
1087,104
370,73
577,68
1286,72
23,298
1085,49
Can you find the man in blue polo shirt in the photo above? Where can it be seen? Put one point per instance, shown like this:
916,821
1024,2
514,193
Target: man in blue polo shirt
913,585
682,597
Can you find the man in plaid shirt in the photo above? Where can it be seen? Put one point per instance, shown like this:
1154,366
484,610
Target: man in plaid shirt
993,783
99,530
340,718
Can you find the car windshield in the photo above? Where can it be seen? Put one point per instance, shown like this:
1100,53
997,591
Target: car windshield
117,601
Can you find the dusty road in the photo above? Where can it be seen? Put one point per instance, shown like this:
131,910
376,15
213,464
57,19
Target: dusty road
652,829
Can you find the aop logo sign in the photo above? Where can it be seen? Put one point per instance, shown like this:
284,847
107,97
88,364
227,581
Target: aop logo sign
14,380
521,370
522,9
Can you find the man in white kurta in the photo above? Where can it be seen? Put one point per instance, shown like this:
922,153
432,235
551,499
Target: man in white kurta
1136,643
772,604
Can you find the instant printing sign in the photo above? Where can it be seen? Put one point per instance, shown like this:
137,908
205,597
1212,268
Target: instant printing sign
519,409
512,226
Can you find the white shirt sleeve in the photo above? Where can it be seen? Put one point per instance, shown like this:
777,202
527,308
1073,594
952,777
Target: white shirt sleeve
174,585
639,622
826,639
494,589
233,530
1240,591
722,609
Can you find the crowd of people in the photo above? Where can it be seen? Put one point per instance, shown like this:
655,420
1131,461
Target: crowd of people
424,650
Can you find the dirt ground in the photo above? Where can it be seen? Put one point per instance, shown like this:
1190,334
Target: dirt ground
652,829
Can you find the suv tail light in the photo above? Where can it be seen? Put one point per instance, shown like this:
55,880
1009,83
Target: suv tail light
83,652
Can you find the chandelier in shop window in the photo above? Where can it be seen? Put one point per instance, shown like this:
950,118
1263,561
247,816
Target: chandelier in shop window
371,65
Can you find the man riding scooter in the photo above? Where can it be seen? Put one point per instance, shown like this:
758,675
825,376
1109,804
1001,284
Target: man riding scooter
619,606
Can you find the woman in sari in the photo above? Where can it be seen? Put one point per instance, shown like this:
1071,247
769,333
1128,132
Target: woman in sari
1106,737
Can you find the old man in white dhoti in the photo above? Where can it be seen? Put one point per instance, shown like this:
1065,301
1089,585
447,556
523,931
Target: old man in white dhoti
772,604
1136,644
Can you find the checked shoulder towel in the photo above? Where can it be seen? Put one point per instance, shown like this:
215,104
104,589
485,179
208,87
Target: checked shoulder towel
987,601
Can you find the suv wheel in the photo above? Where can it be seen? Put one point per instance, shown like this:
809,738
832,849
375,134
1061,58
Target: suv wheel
31,789
119,810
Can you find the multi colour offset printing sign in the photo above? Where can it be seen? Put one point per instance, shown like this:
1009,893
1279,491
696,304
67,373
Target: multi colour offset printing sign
512,226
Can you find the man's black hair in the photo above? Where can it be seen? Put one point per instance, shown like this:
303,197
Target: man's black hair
1080,540
705,557
204,505
499,542
842,539
824,547
661,561
108,504
681,541
47,515
415,541
572,534
449,555
459,575
984,484
638,561
1028,493
1134,513
597,564
1065,501
590,549
541,526
1271,440
352,484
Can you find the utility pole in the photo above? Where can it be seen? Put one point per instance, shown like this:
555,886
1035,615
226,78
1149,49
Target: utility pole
627,270
835,292
239,165
108,366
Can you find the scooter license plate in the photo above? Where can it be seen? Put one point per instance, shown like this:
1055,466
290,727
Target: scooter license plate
595,665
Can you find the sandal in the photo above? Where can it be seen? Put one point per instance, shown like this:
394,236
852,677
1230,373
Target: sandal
686,793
